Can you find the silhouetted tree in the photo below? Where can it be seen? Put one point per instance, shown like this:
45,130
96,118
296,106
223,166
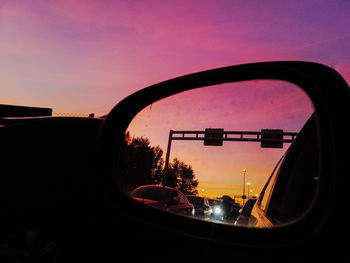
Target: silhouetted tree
182,177
142,164
158,163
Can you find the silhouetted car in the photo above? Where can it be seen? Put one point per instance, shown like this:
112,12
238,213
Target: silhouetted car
230,208
216,207
201,206
164,198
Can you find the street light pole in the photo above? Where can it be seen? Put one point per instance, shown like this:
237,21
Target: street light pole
243,196
166,166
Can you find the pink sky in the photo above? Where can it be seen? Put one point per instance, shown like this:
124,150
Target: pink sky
85,56
242,106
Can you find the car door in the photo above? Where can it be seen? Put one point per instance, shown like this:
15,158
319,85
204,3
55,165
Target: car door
180,205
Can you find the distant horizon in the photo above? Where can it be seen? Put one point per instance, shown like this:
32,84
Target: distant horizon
216,190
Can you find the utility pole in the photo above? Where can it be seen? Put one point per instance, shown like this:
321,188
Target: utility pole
243,196
165,178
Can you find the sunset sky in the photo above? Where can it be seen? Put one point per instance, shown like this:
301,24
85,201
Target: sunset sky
84,56
241,106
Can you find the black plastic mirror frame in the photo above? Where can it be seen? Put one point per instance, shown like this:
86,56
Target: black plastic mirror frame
314,79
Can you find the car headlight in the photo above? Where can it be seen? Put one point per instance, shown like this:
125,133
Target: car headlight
217,210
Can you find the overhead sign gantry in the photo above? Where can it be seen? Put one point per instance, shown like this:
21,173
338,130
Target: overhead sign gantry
268,138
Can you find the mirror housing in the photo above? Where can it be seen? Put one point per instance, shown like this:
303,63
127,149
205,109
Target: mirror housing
330,96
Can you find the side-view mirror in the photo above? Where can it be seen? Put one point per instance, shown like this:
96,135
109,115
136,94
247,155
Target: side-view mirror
185,133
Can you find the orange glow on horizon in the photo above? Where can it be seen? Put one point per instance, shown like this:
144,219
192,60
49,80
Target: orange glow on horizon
215,190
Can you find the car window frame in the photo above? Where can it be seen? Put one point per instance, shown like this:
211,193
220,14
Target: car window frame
272,177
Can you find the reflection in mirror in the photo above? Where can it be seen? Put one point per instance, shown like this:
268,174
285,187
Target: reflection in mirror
235,153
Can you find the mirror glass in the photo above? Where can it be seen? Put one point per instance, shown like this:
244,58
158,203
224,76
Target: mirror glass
224,153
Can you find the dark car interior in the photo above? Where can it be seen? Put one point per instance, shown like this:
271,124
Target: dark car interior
48,184
58,151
